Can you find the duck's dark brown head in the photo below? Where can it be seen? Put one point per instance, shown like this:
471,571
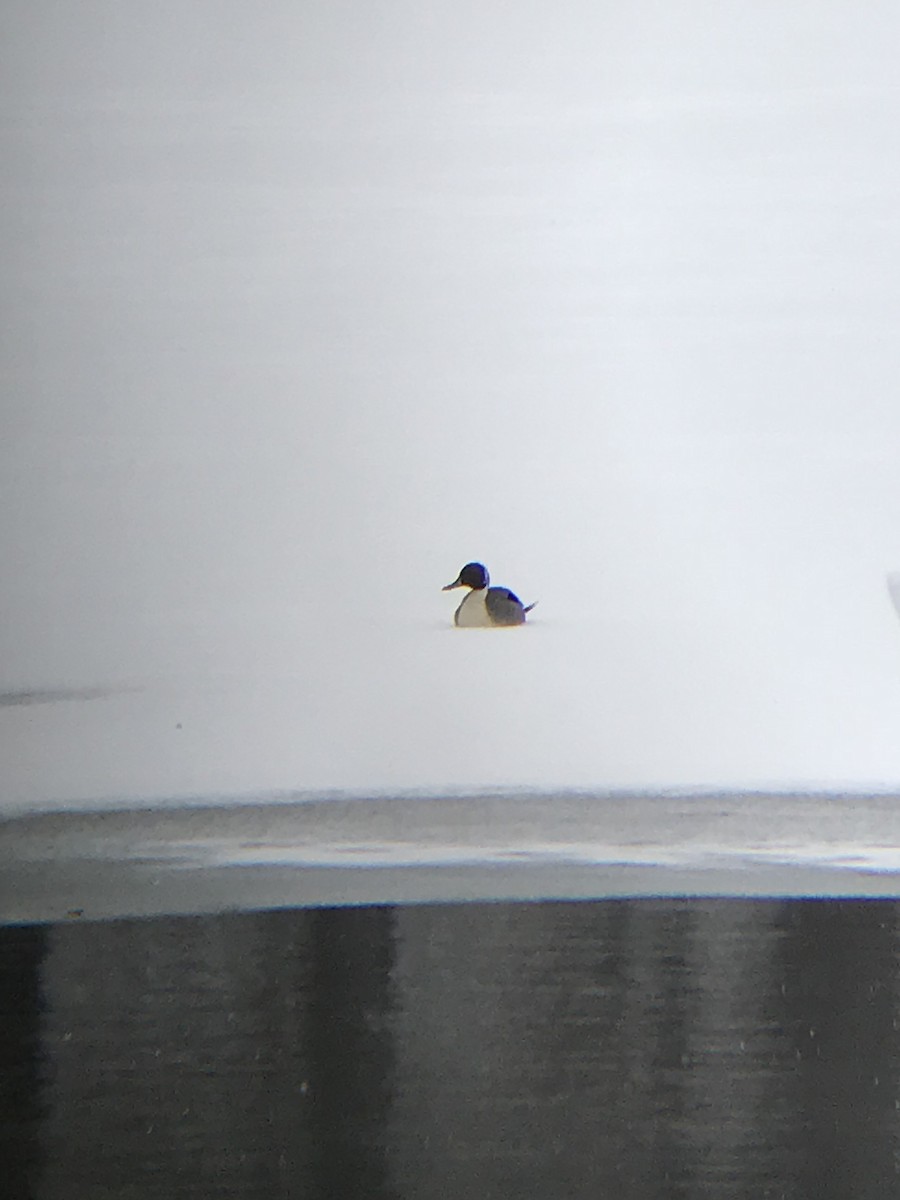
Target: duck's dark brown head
473,575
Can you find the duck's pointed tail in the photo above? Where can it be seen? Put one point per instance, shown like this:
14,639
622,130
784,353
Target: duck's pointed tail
529,607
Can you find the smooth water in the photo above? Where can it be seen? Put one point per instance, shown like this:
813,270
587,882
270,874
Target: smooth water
642,1049
310,308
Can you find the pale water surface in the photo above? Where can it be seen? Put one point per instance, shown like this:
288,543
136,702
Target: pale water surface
306,308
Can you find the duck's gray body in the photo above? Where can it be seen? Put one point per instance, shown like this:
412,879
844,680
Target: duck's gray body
485,606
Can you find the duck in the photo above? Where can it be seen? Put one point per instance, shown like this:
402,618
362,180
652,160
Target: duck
485,606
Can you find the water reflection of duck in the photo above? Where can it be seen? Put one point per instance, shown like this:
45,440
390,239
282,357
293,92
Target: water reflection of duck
486,606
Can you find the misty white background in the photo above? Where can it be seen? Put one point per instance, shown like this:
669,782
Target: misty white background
307,304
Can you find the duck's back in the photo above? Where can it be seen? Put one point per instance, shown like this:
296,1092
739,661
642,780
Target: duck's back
504,607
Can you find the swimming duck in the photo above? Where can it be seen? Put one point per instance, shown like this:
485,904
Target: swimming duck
485,605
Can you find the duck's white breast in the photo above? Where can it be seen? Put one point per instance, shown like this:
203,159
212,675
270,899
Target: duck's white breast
473,612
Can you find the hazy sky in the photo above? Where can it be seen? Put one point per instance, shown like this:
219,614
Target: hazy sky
305,305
